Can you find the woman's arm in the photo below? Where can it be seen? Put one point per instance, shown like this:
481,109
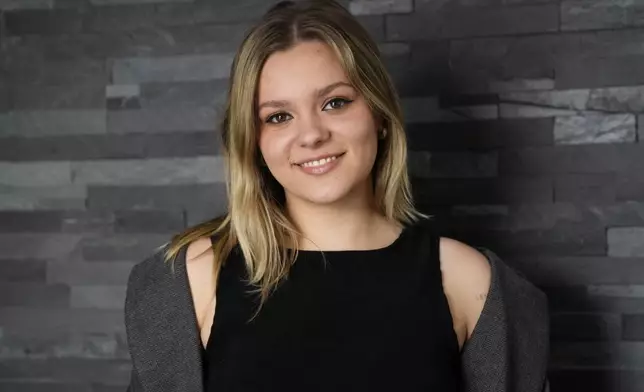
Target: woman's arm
160,323
466,282
200,266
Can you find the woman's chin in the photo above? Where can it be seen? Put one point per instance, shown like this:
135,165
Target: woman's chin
319,197
336,194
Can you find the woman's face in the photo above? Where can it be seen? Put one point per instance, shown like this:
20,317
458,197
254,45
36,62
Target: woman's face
317,134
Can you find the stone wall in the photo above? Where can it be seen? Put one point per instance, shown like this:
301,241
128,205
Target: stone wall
524,120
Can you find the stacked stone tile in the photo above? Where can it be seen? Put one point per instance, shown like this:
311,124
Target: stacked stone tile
524,120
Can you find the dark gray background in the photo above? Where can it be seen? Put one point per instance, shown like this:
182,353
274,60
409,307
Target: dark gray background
522,120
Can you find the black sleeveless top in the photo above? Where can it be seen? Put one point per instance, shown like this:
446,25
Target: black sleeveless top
373,320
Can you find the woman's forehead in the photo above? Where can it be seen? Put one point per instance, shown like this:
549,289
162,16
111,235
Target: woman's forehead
307,67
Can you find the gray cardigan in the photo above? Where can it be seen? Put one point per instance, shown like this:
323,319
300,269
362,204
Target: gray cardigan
507,352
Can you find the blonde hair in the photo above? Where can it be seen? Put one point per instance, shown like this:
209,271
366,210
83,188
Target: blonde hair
255,219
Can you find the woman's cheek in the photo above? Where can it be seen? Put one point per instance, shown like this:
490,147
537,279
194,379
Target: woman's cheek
275,148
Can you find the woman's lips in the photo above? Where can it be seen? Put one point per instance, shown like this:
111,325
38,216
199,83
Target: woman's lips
321,166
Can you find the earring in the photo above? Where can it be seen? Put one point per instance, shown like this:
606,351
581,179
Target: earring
383,133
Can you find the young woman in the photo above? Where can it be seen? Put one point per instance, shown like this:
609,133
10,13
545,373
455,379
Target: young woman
321,276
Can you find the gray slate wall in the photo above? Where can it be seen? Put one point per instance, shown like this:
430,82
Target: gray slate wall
524,120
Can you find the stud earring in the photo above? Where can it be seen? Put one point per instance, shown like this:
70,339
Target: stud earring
383,133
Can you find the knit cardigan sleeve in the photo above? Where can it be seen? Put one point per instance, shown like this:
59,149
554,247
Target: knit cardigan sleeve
509,348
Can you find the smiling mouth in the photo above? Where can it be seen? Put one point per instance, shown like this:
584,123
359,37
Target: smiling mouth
319,162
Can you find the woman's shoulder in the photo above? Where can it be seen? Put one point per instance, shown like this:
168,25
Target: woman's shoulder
158,276
196,255
191,248
455,256
467,278
200,266
464,262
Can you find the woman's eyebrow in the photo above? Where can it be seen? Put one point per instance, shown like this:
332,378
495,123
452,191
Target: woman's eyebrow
331,87
318,92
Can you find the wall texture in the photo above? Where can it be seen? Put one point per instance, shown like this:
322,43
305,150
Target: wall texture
524,117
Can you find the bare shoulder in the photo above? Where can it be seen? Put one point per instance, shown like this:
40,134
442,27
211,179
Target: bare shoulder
199,260
466,280
200,266
198,251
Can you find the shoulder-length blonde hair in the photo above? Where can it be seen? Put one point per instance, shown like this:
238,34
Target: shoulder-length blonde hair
256,220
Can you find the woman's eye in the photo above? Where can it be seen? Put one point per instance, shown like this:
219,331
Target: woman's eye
336,103
278,118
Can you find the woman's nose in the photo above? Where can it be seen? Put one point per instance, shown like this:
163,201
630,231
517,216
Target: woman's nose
313,133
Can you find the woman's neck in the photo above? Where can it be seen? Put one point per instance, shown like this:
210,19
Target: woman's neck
352,226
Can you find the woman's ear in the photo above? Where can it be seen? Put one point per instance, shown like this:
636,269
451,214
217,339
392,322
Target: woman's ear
381,127
384,124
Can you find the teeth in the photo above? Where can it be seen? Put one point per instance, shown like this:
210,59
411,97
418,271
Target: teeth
319,162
